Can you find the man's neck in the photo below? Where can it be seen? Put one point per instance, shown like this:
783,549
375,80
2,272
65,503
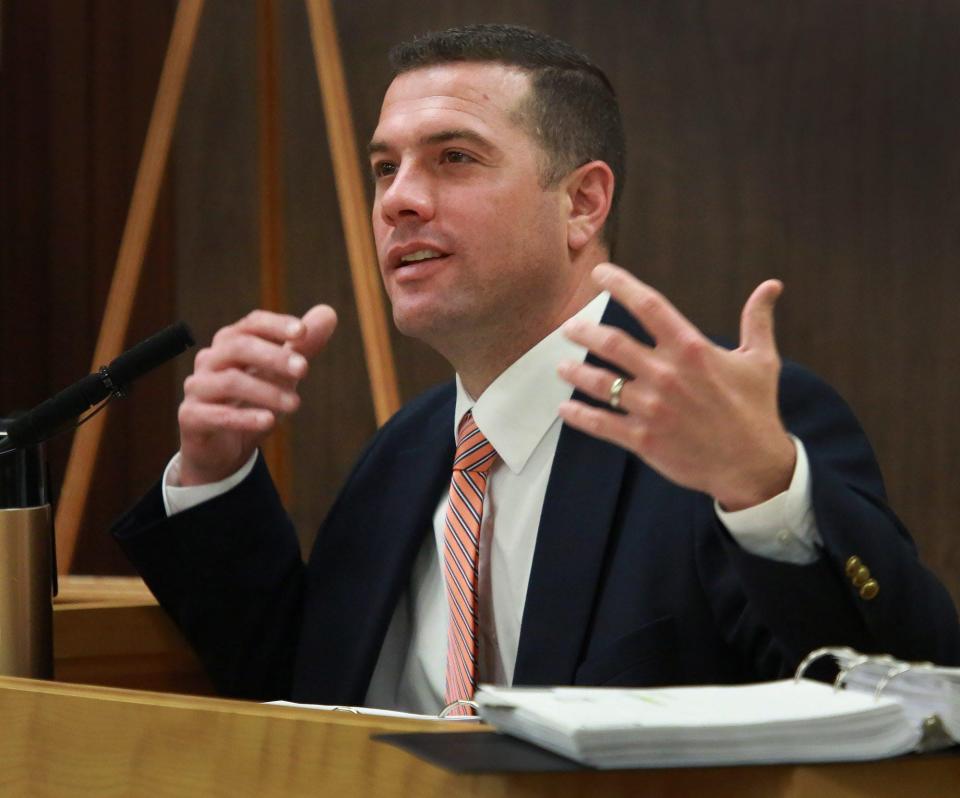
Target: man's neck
490,355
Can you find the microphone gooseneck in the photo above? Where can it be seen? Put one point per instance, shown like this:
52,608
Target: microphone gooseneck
49,416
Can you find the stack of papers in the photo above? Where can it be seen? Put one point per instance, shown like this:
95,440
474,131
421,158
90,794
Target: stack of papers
784,721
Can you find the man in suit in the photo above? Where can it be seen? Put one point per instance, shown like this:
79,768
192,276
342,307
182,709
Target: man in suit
632,503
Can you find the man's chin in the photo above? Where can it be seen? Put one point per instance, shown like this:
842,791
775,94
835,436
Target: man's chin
427,323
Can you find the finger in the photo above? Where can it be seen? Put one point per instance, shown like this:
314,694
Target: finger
319,323
253,354
611,344
624,431
757,319
242,388
276,327
594,382
199,418
662,320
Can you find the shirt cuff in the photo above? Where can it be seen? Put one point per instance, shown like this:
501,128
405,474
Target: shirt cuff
783,528
176,499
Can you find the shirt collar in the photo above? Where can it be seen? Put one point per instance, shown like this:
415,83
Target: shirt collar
519,406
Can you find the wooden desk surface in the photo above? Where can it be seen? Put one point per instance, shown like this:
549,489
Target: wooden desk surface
80,740
64,740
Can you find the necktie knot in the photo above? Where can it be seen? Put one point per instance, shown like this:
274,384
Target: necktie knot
474,452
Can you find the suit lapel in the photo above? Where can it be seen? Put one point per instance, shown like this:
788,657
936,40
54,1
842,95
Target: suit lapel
358,593
578,516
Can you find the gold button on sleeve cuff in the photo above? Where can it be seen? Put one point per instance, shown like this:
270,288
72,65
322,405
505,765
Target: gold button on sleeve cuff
869,589
853,563
861,577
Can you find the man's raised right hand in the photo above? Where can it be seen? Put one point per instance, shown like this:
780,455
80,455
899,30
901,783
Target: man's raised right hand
241,385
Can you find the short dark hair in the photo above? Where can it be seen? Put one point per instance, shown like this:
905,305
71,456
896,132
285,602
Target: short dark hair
572,109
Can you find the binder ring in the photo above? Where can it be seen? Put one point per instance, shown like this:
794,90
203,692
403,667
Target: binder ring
460,702
866,659
862,659
837,652
896,671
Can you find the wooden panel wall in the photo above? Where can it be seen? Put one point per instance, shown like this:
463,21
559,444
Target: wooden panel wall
76,88
814,141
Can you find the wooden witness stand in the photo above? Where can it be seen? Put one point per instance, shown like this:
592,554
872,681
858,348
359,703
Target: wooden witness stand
68,740
63,740
104,729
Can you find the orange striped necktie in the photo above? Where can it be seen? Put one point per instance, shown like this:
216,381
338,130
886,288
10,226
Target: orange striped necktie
461,543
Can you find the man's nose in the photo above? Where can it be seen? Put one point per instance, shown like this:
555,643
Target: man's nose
408,197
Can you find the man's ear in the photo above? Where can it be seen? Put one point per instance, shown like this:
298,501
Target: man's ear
590,191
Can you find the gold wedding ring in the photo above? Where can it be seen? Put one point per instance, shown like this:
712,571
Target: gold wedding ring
615,391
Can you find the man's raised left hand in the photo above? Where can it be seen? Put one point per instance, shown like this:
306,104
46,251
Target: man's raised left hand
703,416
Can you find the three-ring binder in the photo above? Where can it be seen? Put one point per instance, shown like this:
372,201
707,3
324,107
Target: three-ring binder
935,734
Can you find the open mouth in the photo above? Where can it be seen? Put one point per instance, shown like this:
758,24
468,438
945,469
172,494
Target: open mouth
419,256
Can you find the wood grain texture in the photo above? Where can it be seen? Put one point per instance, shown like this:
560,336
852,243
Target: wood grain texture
111,631
273,272
68,740
125,281
78,83
367,289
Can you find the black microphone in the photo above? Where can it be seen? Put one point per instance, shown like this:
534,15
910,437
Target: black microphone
48,417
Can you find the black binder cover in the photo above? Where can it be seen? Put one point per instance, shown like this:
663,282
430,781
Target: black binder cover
479,752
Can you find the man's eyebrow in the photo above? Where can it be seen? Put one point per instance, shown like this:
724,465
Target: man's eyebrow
457,134
463,134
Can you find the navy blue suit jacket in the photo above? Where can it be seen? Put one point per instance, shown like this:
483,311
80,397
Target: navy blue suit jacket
634,580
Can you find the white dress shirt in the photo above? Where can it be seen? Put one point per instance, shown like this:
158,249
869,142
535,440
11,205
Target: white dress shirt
518,415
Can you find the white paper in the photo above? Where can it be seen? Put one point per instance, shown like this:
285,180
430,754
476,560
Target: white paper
783,721
383,713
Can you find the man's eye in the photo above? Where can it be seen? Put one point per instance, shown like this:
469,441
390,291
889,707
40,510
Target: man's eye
384,169
456,156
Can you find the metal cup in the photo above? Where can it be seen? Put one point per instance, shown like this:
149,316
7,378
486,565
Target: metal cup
26,564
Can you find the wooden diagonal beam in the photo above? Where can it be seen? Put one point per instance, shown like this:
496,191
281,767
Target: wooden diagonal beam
354,212
126,275
273,283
